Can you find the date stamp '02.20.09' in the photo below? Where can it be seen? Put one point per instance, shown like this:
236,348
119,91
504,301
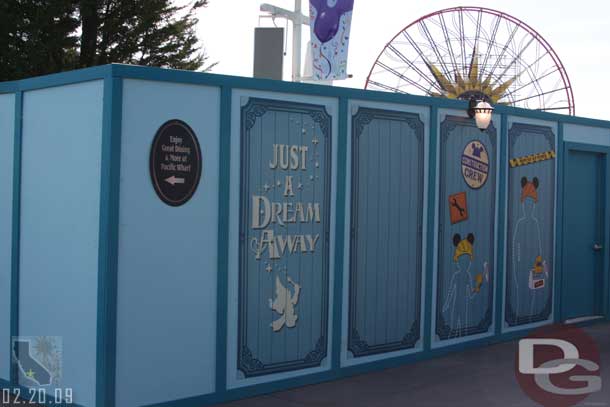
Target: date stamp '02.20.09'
21,396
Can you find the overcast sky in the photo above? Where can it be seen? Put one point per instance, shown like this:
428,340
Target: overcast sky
579,31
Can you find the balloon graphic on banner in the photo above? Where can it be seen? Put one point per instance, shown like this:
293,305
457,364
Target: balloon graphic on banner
330,26
327,23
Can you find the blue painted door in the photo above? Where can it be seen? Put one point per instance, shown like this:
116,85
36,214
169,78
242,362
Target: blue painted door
583,230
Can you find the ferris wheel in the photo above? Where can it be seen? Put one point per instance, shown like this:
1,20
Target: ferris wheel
463,52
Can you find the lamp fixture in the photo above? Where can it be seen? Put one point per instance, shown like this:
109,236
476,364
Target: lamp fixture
481,112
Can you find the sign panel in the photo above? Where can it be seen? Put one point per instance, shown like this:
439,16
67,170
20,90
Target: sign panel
466,235
475,164
175,163
284,236
531,223
330,29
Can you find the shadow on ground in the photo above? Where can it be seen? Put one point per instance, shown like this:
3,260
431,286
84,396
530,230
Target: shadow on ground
483,377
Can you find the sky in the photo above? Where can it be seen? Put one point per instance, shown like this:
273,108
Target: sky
579,31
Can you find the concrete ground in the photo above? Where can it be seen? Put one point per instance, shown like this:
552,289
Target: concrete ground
482,377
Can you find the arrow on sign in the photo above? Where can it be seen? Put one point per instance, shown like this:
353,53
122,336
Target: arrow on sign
173,180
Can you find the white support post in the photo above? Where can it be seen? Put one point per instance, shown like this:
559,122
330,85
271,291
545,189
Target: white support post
296,43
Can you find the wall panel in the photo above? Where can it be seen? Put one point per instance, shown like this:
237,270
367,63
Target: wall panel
465,278
166,316
530,253
7,136
386,236
60,202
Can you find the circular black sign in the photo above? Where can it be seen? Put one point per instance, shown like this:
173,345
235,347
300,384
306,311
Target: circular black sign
175,162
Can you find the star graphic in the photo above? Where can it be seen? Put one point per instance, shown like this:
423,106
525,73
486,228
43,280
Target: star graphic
266,187
269,269
315,141
300,186
317,164
311,177
30,374
279,184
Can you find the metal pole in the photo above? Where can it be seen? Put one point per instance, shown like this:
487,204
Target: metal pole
296,43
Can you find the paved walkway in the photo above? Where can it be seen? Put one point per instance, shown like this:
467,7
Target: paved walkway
483,377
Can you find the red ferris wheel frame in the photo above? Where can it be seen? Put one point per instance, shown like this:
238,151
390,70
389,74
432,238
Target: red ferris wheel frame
547,47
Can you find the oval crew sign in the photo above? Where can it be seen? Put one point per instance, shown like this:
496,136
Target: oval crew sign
175,163
475,164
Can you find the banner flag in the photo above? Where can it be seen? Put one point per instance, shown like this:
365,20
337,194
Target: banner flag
330,22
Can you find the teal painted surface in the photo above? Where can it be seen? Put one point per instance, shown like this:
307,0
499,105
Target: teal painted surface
386,231
464,305
59,226
7,129
108,244
583,227
167,256
586,134
531,226
223,239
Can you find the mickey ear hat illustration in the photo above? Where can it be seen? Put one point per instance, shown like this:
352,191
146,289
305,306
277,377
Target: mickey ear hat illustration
463,246
529,189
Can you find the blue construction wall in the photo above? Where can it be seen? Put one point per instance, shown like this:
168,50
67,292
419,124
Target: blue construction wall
333,231
7,131
59,229
167,256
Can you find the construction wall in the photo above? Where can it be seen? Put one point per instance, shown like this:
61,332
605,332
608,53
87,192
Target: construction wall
322,231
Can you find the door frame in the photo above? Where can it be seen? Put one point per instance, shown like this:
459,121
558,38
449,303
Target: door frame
605,200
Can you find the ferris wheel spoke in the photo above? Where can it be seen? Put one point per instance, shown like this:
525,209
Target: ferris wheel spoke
541,94
386,87
516,59
433,46
499,59
478,30
415,68
493,35
462,40
404,78
448,41
531,82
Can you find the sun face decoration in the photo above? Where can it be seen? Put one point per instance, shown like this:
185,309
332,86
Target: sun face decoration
471,85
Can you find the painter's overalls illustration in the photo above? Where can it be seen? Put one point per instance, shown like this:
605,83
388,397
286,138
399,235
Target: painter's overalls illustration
530,272
284,304
462,288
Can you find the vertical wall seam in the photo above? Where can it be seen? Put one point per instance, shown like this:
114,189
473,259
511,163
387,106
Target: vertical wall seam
108,241
557,284
431,231
340,220
502,208
16,230
224,177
